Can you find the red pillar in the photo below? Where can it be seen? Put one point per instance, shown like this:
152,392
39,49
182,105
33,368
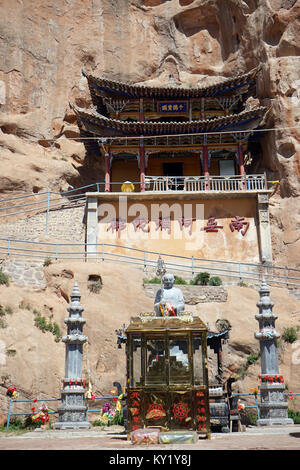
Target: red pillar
142,150
107,171
205,164
241,165
142,165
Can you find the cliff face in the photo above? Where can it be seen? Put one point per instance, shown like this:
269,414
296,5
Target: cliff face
44,46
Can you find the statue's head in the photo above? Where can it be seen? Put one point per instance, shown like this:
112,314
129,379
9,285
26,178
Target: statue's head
168,281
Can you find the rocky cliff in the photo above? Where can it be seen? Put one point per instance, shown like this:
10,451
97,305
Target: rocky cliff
44,46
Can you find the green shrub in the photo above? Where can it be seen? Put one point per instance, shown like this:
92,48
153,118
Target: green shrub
41,323
17,424
11,352
44,325
179,280
154,280
4,279
289,335
201,279
47,262
295,415
118,419
95,287
250,360
215,281
56,331
249,417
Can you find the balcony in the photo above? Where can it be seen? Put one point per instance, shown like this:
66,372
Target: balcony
201,183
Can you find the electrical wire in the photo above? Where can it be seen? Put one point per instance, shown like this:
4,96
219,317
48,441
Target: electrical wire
110,138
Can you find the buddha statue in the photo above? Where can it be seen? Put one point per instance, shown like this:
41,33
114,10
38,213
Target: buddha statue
169,301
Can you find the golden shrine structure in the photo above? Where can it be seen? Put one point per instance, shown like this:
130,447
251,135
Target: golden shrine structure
167,374
176,168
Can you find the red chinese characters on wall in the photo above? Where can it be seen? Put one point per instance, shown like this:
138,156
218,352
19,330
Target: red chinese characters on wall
117,225
186,222
239,224
141,224
163,223
212,225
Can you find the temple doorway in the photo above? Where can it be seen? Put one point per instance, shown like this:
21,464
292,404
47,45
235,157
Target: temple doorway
173,169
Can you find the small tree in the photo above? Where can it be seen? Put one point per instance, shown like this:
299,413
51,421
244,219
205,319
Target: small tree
215,281
202,279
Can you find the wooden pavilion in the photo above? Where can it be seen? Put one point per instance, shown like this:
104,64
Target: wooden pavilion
182,144
173,137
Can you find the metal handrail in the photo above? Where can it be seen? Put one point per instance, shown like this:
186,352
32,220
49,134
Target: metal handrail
198,183
231,269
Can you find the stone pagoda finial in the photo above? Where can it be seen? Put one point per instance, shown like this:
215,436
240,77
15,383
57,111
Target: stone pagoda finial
75,291
72,412
273,406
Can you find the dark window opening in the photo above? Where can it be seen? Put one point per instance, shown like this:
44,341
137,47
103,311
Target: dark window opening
173,169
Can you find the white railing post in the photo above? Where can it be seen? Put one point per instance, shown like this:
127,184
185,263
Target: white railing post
240,272
47,211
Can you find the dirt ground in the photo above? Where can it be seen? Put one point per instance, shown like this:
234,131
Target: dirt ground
116,445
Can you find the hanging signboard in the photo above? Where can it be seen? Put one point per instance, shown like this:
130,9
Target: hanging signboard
172,107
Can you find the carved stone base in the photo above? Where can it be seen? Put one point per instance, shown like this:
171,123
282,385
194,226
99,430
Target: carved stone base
275,422
72,425
273,407
73,409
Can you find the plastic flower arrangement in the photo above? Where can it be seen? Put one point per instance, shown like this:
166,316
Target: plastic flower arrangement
254,391
12,393
292,399
111,414
42,416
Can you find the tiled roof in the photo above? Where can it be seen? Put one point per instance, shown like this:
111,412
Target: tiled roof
245,120
146,91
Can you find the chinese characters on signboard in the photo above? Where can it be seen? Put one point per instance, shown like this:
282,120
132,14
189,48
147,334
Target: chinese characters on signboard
172,107
212,225
238,224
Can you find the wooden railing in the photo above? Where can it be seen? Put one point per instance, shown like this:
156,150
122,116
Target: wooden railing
202,183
